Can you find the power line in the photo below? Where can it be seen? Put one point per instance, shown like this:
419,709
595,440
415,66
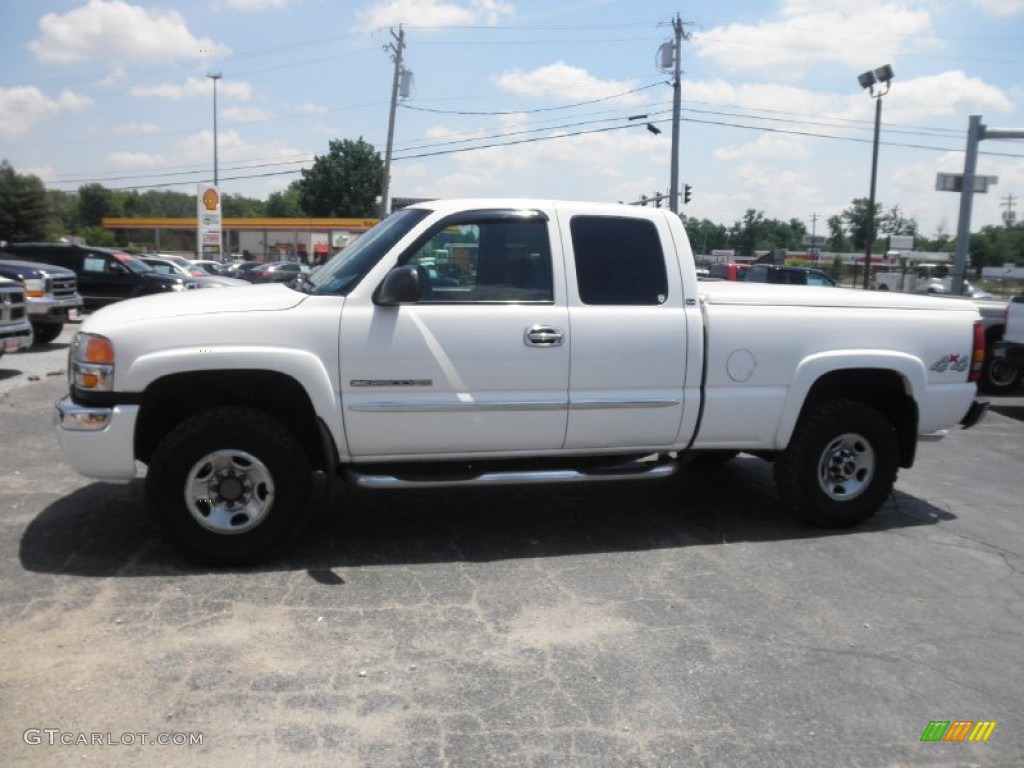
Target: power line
534,111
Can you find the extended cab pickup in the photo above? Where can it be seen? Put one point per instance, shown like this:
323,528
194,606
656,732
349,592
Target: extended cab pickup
571,342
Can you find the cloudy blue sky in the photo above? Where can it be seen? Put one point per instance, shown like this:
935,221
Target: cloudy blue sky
523,97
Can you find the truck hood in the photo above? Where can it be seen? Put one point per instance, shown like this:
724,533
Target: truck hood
274,297
726,292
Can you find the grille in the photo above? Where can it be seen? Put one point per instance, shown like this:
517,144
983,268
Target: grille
12,304
63,287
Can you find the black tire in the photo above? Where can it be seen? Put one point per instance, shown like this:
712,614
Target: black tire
998,377
840,465
47,333
229,486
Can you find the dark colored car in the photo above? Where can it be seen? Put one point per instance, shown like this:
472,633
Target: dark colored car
773,273
276,272
105,275
728,271
51,295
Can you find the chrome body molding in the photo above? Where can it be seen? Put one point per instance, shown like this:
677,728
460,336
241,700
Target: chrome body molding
392,382
509,405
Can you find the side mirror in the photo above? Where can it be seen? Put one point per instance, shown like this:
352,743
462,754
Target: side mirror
401,286
117,268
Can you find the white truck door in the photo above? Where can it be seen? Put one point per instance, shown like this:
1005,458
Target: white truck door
628,356
480,364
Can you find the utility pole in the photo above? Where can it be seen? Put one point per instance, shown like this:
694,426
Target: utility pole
396,48
814,234
680,35
1009,216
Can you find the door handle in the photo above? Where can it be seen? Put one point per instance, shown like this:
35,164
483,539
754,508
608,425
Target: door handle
543,336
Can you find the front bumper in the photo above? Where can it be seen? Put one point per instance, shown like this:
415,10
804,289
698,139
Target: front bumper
15,336
55,309
98,442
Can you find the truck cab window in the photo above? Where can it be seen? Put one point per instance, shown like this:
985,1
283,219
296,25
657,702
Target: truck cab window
503,260
618,261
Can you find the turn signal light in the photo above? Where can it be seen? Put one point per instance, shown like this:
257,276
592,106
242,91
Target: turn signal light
98,350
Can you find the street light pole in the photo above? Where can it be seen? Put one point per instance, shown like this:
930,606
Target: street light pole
215,76
868,80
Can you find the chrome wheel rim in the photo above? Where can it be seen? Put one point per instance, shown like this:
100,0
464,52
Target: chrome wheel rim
229,491
846,467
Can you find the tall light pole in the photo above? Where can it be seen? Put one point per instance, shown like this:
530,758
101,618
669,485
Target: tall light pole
215,76
876,82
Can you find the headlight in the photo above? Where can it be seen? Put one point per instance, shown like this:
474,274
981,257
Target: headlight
35,288
179,286
91,362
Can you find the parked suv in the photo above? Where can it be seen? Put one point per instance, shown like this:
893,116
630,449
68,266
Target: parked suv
104,275
15,329
51,295
773,273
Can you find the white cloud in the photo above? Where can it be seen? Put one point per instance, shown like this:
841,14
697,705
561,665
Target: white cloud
246,114
256,5
312,109
1000,7
814,31
102,29
22,106
947,93
768,147
114,78
137,129
136,160
567,82
433,13
195,86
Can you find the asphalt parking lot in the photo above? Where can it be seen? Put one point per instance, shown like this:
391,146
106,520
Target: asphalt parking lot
685,622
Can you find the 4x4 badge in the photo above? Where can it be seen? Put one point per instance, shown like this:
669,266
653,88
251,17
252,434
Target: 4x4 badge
951,363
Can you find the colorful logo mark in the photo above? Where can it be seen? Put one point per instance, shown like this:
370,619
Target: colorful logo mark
211,199
958,730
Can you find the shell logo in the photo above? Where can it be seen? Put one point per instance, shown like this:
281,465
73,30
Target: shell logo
211,199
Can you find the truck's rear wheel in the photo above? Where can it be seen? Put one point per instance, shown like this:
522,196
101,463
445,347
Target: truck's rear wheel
840,465
997,376
229,486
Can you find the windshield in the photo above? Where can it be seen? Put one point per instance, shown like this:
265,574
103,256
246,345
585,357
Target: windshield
135,265
340,274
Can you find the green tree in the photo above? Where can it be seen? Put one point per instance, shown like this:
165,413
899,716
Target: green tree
837,240
344,182
64,212
857,219
242,207
893,222
286,203
24,206
99,236
94,203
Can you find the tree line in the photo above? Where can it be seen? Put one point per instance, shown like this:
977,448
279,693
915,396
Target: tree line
346,181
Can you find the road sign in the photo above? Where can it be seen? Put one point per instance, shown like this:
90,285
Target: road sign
954,182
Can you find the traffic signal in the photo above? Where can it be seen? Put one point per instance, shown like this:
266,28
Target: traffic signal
686,194
643,199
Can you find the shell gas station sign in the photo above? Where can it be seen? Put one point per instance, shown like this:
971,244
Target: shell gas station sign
208,220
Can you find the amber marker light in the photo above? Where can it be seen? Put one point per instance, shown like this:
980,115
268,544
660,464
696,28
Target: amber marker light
98,350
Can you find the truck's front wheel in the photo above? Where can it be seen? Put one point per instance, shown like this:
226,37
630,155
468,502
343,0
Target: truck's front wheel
229,485
840,465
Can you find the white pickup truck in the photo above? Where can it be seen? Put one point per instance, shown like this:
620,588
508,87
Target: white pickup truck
1010,351
571,342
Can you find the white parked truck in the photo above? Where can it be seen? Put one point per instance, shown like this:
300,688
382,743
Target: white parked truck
1010,351
573,343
